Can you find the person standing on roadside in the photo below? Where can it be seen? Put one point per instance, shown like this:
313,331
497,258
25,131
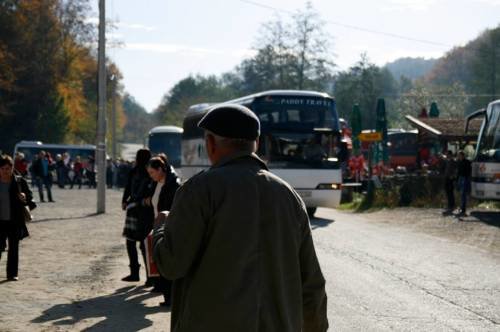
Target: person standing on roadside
15,197
449,174
77,173
90,172
21,164
464,173
162,193
237,241
139,219
42,169
60,171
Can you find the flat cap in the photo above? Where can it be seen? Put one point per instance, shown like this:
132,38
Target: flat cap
231,121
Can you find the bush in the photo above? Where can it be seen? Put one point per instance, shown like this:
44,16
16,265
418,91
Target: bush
410,190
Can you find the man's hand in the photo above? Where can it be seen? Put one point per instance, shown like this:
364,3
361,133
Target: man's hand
124,206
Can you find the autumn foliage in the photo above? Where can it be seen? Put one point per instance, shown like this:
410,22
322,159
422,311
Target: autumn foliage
48,72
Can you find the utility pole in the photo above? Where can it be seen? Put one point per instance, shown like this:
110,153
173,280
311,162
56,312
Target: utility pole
113,117
101,116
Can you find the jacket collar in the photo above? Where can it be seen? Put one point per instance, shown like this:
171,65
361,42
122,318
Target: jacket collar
239,155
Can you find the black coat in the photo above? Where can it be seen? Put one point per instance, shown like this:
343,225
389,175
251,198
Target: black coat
136,190
17,207
464,168
167,192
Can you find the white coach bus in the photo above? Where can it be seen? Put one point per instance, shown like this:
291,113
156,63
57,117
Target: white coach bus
486,162
299,130
166,139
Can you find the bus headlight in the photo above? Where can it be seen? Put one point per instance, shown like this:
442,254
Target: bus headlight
329,186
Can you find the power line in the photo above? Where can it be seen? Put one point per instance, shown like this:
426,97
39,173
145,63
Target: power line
350,26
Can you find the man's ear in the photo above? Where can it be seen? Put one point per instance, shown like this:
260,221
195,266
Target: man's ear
210,141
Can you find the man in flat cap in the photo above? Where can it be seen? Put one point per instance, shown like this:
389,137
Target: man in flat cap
237,241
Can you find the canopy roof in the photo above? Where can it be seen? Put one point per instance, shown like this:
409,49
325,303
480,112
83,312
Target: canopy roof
446,129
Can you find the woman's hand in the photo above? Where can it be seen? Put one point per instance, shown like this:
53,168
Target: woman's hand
22,197
162,217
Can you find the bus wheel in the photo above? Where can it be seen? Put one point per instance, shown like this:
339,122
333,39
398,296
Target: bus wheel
311,211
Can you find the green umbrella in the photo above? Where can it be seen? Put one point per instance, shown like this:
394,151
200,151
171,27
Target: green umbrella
381,126
356,127
434,112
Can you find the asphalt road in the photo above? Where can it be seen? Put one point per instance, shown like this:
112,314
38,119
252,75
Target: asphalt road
389,270
383,276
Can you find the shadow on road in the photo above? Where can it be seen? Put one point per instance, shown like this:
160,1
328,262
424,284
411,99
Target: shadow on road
320,222
122,311
488,217
90,215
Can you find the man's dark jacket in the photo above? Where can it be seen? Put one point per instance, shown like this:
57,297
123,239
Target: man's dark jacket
238,245
38,168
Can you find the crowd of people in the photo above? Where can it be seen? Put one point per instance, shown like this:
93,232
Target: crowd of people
68,172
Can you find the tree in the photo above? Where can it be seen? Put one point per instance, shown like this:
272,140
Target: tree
311,49
475,66
289,55
452,100
190,91
363,84
138,120
48,69
485,67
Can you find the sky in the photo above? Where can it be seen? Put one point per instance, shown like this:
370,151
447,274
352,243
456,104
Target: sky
164,41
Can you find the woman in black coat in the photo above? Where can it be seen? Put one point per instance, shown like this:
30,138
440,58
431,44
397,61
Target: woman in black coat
15,198
139,220
162,194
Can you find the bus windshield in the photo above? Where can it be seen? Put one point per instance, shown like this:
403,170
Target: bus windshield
489,144
298,130
309,150
168,143
296,113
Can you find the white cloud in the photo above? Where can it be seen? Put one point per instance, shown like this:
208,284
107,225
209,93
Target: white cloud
417,5
183,49
92,20
121,25
135,26
490,2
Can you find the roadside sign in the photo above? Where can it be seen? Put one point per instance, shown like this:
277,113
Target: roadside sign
370,137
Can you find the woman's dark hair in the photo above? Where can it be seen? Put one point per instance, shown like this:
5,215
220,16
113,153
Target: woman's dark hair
6,160
158,163
142,157
163,157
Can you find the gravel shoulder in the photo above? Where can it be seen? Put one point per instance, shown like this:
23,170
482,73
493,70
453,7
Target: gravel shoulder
480,229
70,271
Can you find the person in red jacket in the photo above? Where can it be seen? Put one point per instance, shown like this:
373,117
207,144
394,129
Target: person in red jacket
77,173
